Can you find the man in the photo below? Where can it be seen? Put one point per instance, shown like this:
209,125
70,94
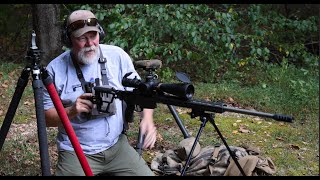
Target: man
101,137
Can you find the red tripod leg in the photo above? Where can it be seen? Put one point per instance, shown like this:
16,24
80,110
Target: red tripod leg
66,123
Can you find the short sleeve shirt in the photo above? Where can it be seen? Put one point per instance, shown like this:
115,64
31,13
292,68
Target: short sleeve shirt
94,135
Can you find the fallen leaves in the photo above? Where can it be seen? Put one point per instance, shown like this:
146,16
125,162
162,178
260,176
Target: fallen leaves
27,103
159,137
183,110
243,128
4,85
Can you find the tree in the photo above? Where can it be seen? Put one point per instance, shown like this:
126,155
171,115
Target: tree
48,29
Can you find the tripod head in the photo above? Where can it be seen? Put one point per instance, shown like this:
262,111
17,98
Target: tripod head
33,53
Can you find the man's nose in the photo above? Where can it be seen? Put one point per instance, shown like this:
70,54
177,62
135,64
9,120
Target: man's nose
89,41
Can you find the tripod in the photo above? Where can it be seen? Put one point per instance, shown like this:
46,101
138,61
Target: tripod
40,76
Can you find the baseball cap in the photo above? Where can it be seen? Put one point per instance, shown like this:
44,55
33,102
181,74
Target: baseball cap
82,21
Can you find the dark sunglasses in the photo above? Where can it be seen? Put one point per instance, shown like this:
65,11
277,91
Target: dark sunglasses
81,23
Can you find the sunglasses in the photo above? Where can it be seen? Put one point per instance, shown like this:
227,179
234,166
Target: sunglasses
81,23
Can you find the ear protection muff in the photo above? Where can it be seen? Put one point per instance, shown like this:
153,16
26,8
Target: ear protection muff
65,36
102,34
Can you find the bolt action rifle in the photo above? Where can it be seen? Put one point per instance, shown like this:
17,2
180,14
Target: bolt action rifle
149,92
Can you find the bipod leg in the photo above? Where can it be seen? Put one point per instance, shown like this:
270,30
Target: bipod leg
204,120
21,84
41,122
233,156
178,121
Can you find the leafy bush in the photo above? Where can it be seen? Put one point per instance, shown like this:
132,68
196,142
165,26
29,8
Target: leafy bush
213,38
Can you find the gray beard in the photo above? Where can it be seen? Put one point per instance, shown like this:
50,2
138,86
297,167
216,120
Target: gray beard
88,60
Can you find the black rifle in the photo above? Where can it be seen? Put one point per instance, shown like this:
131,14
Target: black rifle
147,93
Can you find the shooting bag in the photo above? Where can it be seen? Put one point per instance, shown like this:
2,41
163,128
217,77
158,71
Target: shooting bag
211,161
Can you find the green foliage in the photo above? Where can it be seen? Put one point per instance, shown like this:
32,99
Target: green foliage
253,57
172,33
214,38
166,74
275,38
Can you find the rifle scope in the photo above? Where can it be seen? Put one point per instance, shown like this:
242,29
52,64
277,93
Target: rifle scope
180,90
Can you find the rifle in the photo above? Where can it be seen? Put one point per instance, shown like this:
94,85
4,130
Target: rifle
149,92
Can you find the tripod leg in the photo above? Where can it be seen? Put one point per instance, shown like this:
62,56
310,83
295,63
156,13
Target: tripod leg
178,121
233,156
41,124
66,123
21,84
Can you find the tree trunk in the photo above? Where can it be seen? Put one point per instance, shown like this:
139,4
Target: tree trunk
48,30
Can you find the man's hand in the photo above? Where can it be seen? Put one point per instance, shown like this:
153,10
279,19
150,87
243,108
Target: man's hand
83,104
148,129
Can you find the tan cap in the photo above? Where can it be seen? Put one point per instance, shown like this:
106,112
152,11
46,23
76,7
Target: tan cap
82,15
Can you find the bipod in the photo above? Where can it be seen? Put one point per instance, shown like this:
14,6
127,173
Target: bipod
204,118
178,121
40,76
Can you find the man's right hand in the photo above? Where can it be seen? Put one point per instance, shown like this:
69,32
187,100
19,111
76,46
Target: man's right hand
82,104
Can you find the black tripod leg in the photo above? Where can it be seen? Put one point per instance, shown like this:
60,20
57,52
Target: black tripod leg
21,84
42,133
178,121
233,156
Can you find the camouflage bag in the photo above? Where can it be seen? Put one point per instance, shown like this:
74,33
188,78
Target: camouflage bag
211,161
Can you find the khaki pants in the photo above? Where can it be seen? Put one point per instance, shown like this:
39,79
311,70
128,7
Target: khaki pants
119,160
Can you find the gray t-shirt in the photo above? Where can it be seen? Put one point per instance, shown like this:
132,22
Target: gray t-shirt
99,134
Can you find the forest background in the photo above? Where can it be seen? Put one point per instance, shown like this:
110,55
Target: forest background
261,57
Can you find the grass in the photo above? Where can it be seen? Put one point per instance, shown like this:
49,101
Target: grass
293,147
285,144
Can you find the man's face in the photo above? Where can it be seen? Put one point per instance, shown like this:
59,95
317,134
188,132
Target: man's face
85,47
